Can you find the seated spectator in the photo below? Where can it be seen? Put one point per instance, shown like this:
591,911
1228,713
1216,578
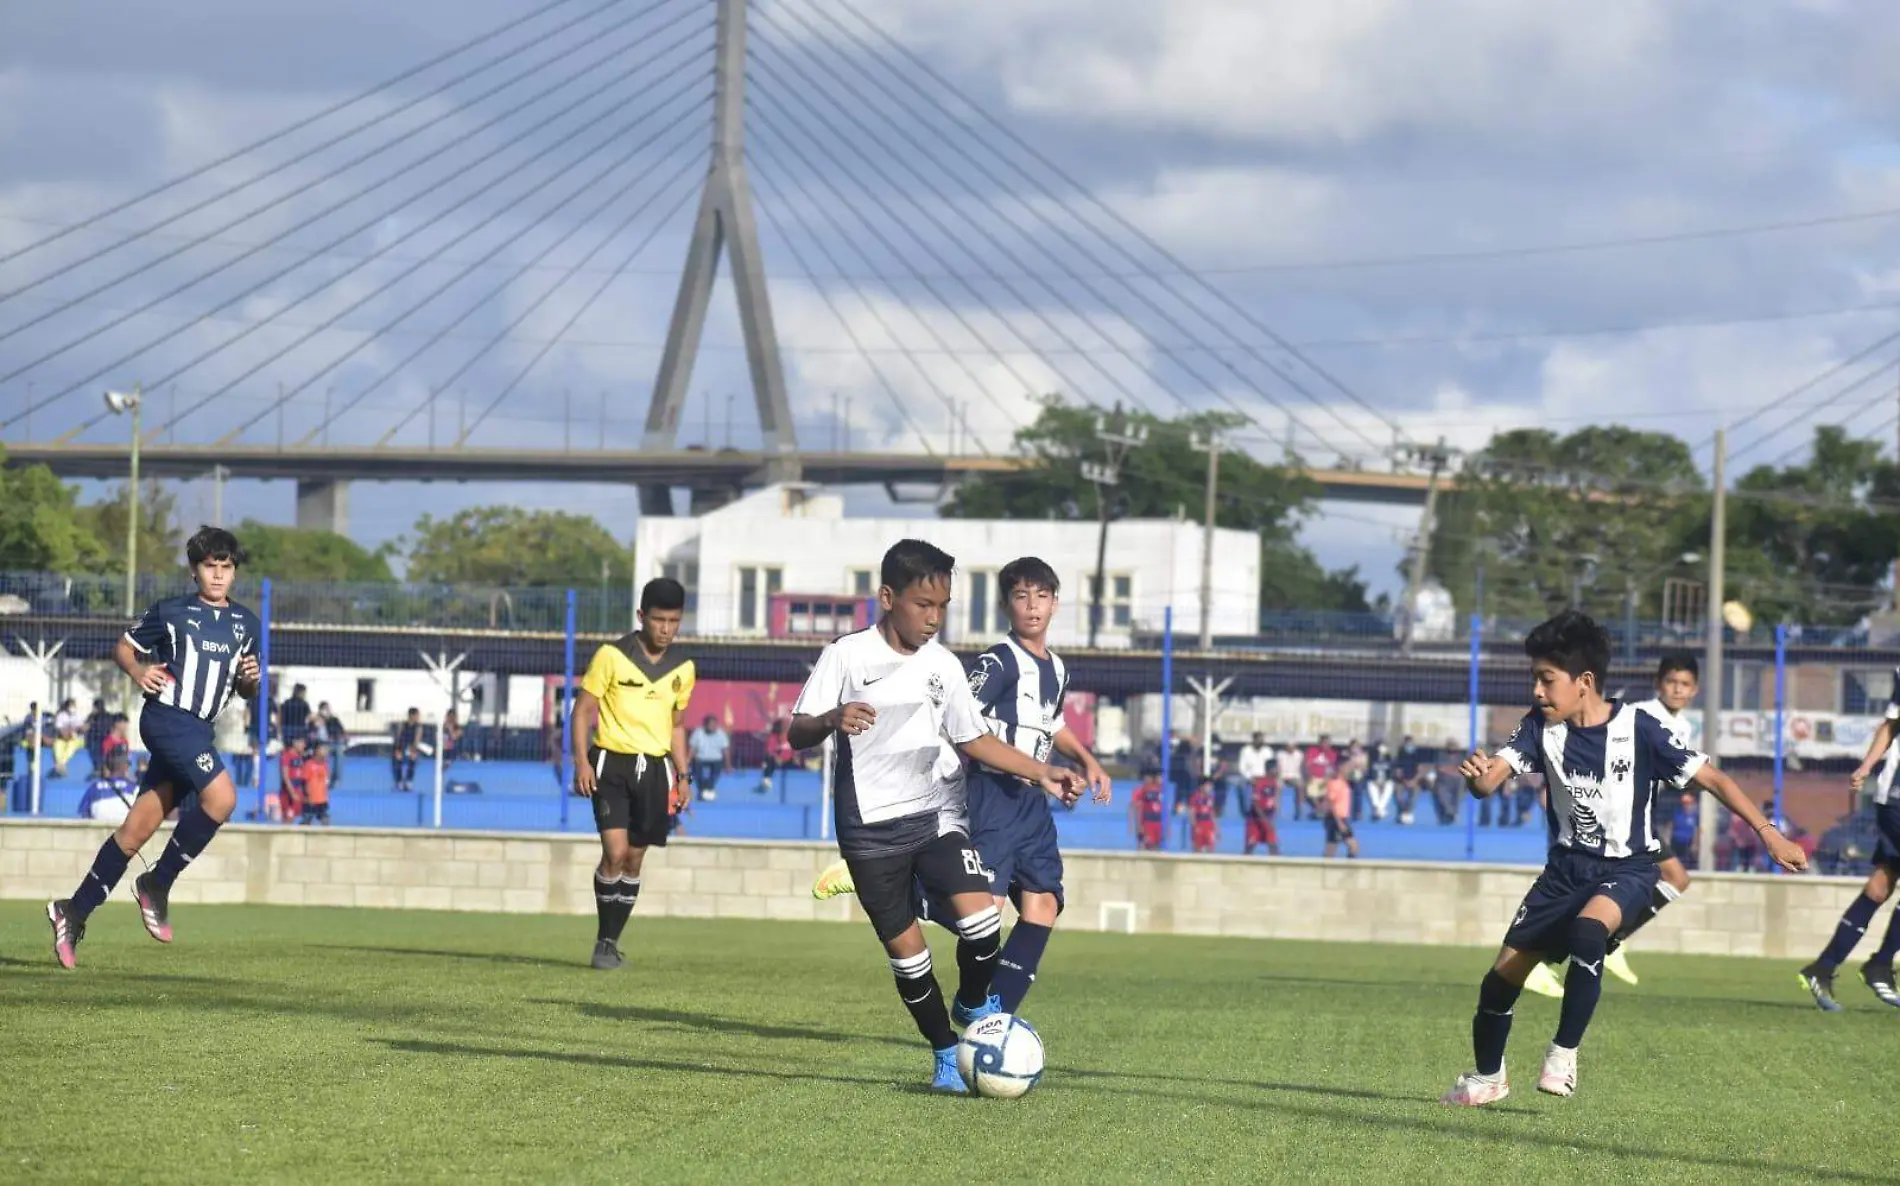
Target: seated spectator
66,739
108,797
779,755
711,750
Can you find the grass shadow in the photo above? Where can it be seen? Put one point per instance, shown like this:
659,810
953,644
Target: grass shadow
625,1062
487,957
708,1023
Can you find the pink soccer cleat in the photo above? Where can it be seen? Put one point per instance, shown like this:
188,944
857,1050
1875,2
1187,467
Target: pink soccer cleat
67,931
1560,1072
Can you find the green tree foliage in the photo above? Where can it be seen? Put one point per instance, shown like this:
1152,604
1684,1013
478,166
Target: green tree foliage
1163,478
509,546
41,525
161,537
1814,543
1600,513
301,554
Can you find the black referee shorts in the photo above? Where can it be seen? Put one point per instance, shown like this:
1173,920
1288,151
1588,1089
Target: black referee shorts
888,885
633,792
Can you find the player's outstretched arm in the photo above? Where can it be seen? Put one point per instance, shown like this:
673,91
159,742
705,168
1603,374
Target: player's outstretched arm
1786,852
1876,750
807,731
1070,746
1484,774
994,753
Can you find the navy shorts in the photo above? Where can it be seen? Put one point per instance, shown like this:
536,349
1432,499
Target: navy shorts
1013,829
183,752
1565,887
1887,821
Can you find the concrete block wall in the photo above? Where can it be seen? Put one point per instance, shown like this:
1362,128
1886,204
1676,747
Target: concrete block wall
1357,902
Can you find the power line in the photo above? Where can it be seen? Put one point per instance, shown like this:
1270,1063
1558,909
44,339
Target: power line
1809,385
1880,369
365,225
308,121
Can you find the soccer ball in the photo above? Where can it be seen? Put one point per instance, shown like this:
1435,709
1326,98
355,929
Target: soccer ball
1000,1056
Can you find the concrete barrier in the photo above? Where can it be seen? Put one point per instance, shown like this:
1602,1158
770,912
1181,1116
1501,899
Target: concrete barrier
1151,893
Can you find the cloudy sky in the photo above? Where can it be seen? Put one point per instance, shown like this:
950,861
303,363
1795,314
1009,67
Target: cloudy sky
1349,223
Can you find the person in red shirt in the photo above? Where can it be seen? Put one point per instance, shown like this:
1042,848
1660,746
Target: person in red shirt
779,755
1206,823
290,780
1147,808
1321,762
316,786
1262,808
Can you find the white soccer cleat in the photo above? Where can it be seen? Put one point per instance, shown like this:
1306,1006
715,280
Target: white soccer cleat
1544,982
1473,1090
1618,965
1560,1072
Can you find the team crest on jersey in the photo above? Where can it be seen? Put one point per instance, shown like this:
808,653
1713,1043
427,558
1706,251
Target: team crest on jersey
933,687
677,682
237,631
1620,767
204,762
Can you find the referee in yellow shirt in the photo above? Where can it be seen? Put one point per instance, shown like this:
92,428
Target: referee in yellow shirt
630,752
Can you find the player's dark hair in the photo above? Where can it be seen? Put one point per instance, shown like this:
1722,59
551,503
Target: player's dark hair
1032,571
1679,661
1573,641
214,543
662,593
909,561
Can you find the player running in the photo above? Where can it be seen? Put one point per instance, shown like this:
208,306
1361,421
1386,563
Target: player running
1818,977
1019,684
188,654
1602,761
901,709
1678,677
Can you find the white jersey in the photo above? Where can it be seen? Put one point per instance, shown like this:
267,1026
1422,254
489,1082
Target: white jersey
1889,763
1602,780
899,784
1677,723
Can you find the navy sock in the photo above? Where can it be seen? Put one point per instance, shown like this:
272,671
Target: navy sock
195,830
1016,967
1890,946
978,938
1583,985
1848,932
1491,1024
106,870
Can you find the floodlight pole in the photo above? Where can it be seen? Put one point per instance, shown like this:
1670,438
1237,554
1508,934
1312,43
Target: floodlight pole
1708,815
1117,437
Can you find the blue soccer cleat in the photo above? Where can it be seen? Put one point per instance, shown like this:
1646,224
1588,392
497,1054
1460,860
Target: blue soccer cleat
965,1018
948,1079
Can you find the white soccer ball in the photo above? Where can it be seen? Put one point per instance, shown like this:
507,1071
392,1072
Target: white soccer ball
1000,1056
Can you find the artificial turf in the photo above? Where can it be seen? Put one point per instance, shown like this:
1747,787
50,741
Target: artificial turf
287,1044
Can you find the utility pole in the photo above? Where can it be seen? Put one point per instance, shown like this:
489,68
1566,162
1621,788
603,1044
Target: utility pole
1712,660
1437,458
1210,445
1117,437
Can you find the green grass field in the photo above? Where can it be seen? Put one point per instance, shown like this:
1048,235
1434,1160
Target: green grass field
363,1045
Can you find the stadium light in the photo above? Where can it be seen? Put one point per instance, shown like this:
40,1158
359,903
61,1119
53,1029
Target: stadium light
119,403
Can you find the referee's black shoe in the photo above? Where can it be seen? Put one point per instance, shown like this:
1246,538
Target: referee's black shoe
607,955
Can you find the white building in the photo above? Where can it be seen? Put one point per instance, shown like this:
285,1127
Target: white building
795,538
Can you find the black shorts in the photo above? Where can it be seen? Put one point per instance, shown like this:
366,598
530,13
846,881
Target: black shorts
1887,824
1565,887
887,885
633,792
1337,829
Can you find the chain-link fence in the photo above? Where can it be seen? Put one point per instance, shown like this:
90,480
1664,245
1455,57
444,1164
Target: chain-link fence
399,720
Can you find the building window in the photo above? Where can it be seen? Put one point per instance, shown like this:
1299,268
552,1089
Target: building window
365,695
686,572
986,615
756,586
1865,691
862,582
1118,608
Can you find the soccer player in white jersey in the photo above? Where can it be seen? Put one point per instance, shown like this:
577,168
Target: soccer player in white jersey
1601,760
189,655
898,710
1678,678
1818,976
1019,684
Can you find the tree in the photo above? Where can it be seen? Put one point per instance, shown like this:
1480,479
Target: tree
160,538
1548,520
41,525
1814,543
302,554
1163,479
509,546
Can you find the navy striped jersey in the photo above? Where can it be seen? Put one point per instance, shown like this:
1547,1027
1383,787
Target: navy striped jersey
200,645
1602,779
1020,694
1890,762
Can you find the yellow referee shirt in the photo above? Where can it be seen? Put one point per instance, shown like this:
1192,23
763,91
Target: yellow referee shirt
638,697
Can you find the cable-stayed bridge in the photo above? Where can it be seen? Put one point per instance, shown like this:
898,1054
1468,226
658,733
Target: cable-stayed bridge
493,222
